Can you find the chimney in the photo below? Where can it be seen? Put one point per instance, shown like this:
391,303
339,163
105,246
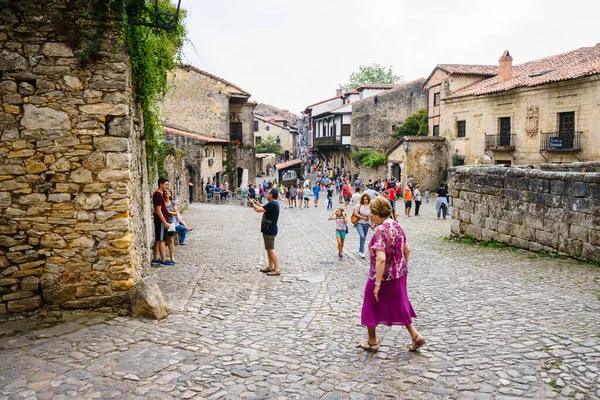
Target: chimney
505,67
338,92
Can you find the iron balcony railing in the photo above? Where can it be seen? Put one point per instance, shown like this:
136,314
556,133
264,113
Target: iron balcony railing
560,141
500,142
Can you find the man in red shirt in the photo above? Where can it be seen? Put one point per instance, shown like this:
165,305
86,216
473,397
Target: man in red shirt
161,226
347,193
391,189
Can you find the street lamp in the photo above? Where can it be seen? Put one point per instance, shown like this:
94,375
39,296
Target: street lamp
405,145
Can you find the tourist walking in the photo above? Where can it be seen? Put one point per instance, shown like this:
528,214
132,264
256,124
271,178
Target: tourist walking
268,228
245,196
386,298
363,213
161,226
418,198
330,196
300,194
306,196
347,194
341,228
426,195
292,196
356,197
441,204
407,200
171,218
288,200
261,194
316,191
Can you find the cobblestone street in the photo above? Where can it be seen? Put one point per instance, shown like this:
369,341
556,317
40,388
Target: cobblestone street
499,324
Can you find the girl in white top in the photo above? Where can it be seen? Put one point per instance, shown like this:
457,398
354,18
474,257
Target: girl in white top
363,212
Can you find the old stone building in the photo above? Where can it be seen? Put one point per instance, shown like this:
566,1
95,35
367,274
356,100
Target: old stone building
193,161
279,130
74,198
204,104
416,160
546,110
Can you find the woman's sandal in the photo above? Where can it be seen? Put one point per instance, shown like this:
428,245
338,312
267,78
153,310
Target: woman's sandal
265,270
373,348
417,343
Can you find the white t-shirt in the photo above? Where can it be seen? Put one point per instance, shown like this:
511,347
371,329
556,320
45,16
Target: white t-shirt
365,211
356,199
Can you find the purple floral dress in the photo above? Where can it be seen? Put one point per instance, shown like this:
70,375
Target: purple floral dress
393,307
389,238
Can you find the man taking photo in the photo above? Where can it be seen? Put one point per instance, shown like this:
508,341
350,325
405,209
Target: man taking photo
268,227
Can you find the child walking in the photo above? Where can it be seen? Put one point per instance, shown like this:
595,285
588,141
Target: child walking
341,227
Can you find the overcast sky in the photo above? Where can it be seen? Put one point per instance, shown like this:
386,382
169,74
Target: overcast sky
291,53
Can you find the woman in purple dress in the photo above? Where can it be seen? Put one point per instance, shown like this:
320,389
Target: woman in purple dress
386,300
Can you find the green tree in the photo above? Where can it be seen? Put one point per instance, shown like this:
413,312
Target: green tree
373,73
415,125
268,145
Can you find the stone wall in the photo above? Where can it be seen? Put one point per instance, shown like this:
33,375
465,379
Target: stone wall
549,210
373,119
424,163
73,190
179,180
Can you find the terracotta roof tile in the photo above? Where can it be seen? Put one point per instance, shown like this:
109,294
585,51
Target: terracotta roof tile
181,132
271,120
288,164
323,101
570,65
469,69
379,86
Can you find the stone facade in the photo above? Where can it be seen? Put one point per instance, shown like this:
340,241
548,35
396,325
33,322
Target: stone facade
421,161
373,119
264,128
210,106
532,111
553,208
179,179
73,187
200,159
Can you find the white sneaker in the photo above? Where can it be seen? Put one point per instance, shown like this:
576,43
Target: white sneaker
362,255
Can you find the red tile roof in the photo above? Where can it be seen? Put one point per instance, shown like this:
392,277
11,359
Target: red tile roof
469,69
207,139
570,65
198,70
288,164
379,86
271,120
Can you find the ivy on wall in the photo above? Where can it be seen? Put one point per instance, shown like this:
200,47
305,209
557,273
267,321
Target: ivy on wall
371,159
153,54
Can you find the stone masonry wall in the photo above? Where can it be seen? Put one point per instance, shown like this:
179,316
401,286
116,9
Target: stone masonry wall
372,121
553,211
74,200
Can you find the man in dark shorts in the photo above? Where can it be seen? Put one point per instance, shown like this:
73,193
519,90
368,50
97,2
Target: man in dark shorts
268,227
161,226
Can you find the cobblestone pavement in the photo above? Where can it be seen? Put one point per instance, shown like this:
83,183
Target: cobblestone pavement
499,324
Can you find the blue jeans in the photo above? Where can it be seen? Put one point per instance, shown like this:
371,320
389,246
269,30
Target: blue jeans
362,232
329,203
181,232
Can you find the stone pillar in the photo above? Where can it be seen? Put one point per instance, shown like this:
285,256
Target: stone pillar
73,190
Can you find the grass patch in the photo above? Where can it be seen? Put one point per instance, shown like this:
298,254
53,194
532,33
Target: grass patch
490,244
553,383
